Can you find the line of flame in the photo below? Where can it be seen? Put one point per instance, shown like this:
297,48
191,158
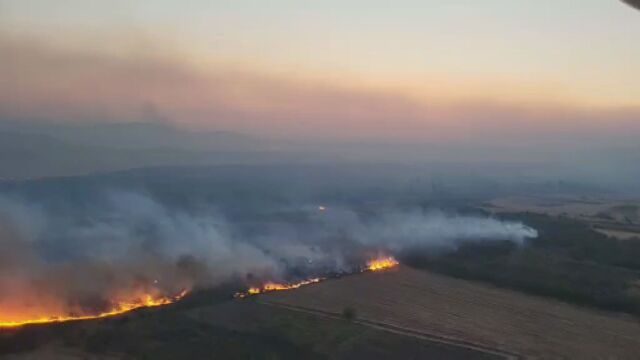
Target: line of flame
378,264
272,286
149,301
119,308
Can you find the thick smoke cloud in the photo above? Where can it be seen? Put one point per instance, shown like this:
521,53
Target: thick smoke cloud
72,263
75,260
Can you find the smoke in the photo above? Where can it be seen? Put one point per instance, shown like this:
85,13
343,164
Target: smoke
438,230
78,259
78,263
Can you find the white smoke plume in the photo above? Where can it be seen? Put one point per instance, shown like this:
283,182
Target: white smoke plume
436,229
79,258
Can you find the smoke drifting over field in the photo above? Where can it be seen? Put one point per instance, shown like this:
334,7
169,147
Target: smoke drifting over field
399,231
79,259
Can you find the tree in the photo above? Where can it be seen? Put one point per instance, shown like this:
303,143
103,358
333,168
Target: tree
349,313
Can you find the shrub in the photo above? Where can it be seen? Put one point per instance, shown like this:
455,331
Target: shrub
349,313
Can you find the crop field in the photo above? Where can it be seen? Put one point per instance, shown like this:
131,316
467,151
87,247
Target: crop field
469,313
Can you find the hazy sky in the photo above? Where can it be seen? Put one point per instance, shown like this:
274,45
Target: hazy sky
405,69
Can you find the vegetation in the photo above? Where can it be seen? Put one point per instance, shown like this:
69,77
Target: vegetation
202,328
349,313
567,261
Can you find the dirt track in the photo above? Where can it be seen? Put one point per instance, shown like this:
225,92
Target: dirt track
400,331
463,312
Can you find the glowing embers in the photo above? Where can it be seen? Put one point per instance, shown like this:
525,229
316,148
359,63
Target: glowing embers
382,263
120,307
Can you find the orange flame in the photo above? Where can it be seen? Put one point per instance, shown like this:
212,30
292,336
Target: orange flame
382,263
272,286
145,301
378,264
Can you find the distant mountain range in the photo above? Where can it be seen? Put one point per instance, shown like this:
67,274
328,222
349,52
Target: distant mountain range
136,135
30,149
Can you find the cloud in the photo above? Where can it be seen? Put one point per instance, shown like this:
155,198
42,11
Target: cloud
40,81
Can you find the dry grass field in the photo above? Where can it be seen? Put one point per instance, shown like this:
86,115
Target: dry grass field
466,312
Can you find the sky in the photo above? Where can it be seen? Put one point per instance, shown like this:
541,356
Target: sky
450,71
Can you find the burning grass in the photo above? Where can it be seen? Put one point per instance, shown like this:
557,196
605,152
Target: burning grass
382,263
377,264
272,286
17,319
119,307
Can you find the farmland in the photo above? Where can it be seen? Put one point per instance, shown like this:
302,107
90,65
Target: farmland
472,313
614,218
213,325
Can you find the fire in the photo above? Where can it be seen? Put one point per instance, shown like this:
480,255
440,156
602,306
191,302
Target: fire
144,301
148,300
378,264
382,263
272,286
